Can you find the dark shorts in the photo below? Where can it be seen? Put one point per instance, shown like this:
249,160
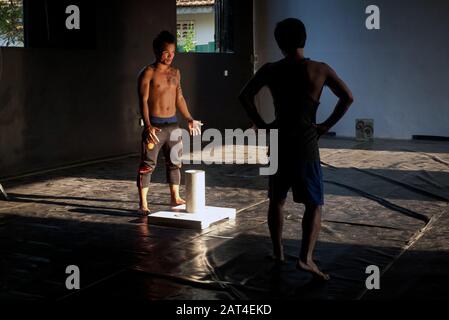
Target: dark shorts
305,178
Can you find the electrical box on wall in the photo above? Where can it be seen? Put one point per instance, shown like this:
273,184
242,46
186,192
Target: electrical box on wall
364,129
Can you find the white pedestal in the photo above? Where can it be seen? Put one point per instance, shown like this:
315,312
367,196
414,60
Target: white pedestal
202,219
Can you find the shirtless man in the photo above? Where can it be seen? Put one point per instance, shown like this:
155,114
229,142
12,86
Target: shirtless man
296,84
160,94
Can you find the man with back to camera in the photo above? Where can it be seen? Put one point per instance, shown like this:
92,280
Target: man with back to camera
296,84
160,94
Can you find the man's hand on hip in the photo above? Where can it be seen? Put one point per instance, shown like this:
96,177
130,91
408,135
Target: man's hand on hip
321,129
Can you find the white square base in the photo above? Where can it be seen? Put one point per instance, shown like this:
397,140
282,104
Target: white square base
199,220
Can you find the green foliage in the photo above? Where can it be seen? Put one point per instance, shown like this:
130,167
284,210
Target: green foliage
11,22
188,43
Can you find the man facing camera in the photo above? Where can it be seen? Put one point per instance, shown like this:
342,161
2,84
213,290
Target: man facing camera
160,96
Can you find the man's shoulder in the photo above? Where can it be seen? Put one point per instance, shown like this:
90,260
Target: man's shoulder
318,67
146,71
318,64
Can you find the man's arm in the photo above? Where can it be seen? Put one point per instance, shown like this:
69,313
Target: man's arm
341,90
248,94
181,104
144,93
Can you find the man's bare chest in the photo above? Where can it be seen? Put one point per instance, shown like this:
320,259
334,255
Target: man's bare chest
164,81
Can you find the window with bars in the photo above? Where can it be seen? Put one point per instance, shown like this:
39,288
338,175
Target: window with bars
204,25
183,28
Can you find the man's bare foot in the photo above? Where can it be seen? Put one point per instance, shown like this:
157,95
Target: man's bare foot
177,202
310,266
143,211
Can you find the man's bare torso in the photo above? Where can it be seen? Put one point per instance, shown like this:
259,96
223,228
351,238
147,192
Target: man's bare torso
163,91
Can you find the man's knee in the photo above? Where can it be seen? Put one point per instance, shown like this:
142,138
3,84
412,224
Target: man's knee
313,207
276,204
312,212
144,175
145,168
173,166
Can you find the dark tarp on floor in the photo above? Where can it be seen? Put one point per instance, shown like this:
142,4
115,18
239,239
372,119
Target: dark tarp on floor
385,204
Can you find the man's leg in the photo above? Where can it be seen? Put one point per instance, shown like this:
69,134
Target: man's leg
275,224
146,168
173,167
175,198
143,182
143,204
311,226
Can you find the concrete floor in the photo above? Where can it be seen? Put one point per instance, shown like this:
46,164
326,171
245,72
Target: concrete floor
386,204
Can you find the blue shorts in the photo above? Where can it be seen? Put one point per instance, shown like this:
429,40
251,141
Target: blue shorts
305,178
160,120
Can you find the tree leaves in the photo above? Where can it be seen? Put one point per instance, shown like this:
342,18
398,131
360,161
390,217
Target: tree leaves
11,23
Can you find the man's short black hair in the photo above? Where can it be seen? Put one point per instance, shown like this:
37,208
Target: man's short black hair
290,34
161,39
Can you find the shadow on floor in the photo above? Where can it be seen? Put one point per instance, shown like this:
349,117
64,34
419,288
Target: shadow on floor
137,261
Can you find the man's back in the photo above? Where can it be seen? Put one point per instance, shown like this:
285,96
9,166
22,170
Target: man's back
291,77
296,84
296,87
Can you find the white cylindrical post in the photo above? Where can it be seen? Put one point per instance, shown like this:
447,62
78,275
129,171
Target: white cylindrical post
196,190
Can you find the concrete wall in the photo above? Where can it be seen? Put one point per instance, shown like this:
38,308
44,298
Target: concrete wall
398,74
60,106
204,26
